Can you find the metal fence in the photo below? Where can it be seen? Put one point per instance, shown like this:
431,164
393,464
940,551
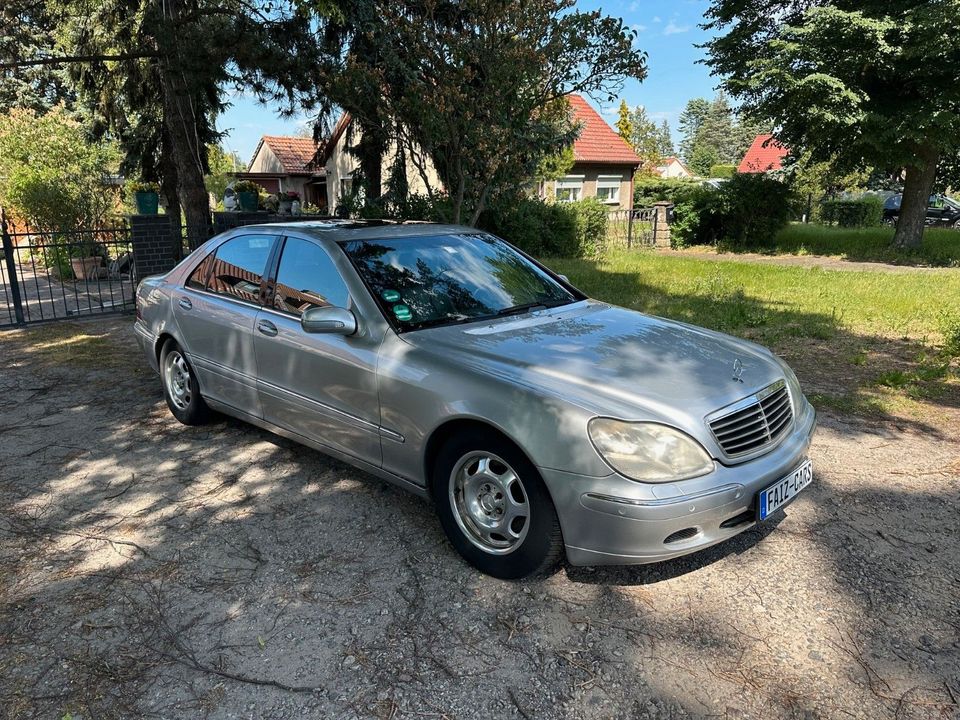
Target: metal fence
60,275
631,228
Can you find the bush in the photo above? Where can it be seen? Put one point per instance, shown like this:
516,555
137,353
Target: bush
863,212
648,190
723,171
747,211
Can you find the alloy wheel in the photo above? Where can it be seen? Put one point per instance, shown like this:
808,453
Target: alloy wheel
489,502
176,375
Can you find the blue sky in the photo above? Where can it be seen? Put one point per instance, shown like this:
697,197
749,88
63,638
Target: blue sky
667,30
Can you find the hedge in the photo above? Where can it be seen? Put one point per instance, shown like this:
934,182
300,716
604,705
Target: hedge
863,212
723,171
648,190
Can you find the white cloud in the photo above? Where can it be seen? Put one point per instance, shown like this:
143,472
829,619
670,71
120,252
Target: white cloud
634,6
673,29
638,28
656,19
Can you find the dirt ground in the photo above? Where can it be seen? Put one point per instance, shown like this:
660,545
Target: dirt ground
153,570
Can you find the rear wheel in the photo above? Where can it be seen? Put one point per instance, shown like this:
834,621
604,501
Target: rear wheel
890,220
495,508
180,387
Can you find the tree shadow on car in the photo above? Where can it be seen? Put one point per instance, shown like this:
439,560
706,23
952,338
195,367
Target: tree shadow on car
653,573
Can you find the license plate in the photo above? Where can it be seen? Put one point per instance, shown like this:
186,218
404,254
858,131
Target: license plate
784,490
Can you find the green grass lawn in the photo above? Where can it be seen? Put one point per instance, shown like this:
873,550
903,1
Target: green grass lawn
941,247
889,335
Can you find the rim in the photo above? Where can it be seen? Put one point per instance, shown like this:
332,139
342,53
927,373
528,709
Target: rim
489,502
176,374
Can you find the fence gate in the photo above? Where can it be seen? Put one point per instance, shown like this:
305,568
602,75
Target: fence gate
631,228
64,275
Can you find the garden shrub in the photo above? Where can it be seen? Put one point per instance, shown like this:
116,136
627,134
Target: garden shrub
866,211
746,211
723,171
648,190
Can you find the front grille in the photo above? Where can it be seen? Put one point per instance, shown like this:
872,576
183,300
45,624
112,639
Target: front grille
755,422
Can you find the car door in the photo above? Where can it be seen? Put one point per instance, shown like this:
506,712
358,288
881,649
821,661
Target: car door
216,313
320,386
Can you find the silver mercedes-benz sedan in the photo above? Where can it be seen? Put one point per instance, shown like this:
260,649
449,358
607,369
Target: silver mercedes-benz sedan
441,358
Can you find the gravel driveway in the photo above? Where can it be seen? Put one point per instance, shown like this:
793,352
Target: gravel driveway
153,570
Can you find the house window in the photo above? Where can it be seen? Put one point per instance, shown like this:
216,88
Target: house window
346,187
608,189
569,188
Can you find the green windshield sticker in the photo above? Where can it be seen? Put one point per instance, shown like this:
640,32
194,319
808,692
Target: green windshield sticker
390,295
402,312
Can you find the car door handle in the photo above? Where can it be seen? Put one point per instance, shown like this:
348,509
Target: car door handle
267,328
186,304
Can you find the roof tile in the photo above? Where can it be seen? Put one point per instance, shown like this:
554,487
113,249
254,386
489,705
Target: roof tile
598,142
294,153
765,154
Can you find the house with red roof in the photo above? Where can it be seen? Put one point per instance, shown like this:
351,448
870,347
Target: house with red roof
764,155
282,163
604,163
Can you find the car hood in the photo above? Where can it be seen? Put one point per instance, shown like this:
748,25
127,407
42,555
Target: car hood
611,360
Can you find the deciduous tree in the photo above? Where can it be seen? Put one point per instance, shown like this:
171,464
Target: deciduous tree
862,82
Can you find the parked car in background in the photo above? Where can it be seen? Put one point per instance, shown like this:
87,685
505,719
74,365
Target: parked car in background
941,211
445,360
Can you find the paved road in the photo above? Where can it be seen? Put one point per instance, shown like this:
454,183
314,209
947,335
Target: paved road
153,570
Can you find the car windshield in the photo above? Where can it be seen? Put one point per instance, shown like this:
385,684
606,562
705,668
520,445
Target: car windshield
445,279
951,203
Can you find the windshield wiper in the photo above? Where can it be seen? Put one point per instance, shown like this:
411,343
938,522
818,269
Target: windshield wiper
526,307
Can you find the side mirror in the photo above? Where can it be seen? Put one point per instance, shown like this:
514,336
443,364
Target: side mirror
334,320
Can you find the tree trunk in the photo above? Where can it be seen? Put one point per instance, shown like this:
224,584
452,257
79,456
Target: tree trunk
168,188
917,186
180,120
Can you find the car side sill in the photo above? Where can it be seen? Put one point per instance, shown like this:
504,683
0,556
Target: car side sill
404,483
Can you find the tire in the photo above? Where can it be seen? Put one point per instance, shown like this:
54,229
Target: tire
180,387
480,480
891,220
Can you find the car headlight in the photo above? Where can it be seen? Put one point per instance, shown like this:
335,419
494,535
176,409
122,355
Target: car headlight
648,452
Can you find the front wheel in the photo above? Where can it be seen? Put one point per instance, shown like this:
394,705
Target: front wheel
495,508
180,387
890,221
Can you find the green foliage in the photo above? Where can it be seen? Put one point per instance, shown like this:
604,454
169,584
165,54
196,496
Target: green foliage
714,133
624,124
860,213
140,186
51,175
647,190
941,247
556,165
723,171
650,141
747,211
243,186
222,166
495,73
592,218
853,83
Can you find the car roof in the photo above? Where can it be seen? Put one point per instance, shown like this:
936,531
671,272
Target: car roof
339,230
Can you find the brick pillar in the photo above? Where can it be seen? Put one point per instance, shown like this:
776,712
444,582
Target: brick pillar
153,244
661,223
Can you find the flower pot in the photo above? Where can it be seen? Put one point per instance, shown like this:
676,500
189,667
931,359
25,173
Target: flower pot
147,202
248,201
286,207
85,268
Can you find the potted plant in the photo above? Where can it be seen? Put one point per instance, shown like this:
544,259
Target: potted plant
248,195
85,260
146,195
287,198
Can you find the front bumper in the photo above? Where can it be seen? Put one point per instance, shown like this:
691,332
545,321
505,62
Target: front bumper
613,520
